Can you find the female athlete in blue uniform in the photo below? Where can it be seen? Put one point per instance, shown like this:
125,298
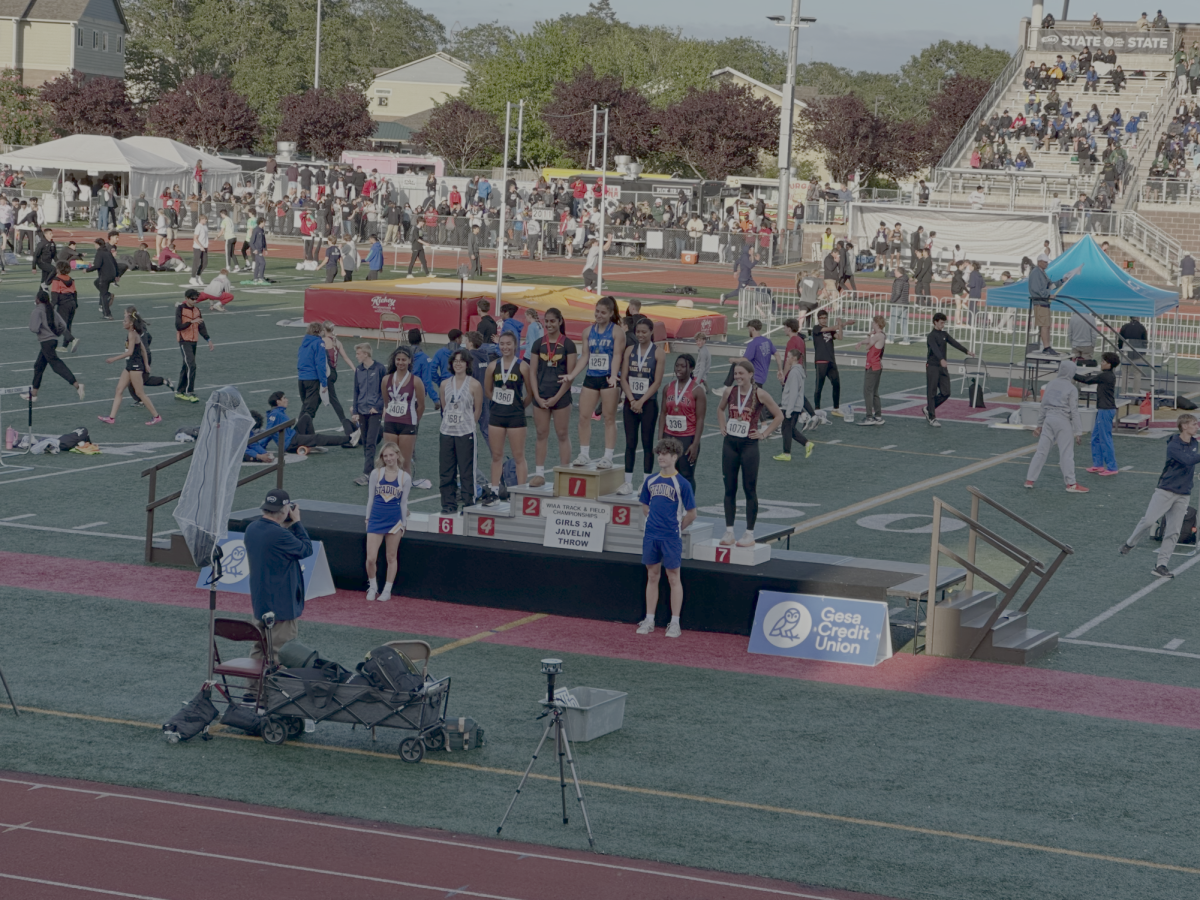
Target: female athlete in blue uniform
604,347
387,515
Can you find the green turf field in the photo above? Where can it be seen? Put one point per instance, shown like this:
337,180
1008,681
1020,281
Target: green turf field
1091,786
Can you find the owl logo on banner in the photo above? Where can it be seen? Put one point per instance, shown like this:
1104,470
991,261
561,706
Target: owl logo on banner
787,624
234,565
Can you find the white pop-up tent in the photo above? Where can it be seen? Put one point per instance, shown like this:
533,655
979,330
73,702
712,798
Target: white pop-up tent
100,155
217,171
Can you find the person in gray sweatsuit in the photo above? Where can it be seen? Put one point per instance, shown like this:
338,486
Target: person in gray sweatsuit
1058,423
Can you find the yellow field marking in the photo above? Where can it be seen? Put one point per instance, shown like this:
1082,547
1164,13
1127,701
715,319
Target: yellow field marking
690,798
508,626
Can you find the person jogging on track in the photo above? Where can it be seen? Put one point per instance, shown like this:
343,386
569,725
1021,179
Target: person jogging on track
387,517
135,366
65,300
937,367
826,362
504,381
403,404
669,508
684,405
1171,496
604,346
189,328
48,325
743,432
1058,423
551,360
641,374
462,404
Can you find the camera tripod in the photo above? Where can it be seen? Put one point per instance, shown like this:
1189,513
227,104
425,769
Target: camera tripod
554,709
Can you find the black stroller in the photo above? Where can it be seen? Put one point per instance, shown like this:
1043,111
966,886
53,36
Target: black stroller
386,691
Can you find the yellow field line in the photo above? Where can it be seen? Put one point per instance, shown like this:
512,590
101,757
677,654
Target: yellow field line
508,626
690,798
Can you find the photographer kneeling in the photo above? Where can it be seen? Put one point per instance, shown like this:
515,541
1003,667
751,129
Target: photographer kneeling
275,544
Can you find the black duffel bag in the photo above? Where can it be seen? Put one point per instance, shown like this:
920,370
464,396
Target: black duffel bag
192,720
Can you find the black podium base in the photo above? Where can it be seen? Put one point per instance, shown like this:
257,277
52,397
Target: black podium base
608,586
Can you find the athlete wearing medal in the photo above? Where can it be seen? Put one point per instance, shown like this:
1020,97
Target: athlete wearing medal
641,374
552,359
738,418
462,404
685,406
403,404
604,347
505,380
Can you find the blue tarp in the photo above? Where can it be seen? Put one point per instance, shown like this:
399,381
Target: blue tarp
1102,285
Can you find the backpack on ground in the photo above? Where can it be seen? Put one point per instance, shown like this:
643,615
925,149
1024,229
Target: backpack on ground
387,670
1187,531
195,717
73,439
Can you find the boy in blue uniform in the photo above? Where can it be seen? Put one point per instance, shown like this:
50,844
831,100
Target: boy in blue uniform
669,507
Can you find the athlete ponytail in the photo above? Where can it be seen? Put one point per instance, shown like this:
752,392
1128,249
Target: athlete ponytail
611,303
139,325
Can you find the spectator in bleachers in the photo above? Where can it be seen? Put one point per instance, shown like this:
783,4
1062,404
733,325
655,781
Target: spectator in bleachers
1091,80
1143,24
1097,23
1118,79
1160,22
1031,76
1053,102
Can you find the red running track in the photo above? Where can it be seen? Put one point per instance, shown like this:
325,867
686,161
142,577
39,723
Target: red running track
62,838
960,679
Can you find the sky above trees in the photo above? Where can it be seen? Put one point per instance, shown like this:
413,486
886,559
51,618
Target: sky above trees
876,35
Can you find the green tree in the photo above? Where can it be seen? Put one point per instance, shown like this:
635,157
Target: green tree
395,32
24,117
480,41
166,47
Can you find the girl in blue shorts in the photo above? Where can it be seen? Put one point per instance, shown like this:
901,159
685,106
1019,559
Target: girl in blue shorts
387,515
604,347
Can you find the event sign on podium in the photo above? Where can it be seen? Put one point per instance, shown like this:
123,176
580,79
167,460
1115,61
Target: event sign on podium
235,570
832,629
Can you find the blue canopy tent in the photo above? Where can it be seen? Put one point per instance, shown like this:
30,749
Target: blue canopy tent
1102,285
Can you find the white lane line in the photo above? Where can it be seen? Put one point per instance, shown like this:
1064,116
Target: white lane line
89,525
124,462
103,534
948,452
889,446
835,441
1173,644
1130,600
78,887
1163,652
418,839
898,494
22,516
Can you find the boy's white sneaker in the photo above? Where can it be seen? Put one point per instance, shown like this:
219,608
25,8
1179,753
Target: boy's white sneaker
673,630
625,488
372,592
646,626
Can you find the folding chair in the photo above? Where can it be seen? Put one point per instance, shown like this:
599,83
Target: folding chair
240,631
418,651
384,319
407,322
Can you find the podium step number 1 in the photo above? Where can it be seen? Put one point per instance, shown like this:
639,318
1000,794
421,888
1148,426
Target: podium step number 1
16,390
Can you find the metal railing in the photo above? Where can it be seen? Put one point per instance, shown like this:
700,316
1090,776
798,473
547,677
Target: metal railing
1008,189
1144,149
1171,191
967,133
153,503
1140,234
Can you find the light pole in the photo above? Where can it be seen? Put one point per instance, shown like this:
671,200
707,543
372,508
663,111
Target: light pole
317,67
603,194
500,247
787,112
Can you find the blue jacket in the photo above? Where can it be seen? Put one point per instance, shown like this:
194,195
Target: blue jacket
258,239
258,448
311,361
276,580
1181,460
421,368
368,393
516,328
277,415
375,257
441,365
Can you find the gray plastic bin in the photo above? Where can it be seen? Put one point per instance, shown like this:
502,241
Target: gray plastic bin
598,713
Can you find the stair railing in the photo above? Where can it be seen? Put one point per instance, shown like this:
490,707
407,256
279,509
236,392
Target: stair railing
1030,565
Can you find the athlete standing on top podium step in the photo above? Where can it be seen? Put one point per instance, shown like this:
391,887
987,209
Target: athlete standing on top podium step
604,347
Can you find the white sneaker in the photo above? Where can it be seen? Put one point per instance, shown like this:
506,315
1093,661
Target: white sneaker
747,538
625,488
372,593
423,483
604,463
673,630
727,538
79,390
581,460
646,626
355,437
386,594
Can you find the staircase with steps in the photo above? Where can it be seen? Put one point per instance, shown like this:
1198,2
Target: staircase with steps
966,617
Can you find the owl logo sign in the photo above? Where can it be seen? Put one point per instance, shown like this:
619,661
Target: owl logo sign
833,629
234,566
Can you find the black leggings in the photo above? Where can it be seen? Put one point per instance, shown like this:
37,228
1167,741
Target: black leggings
347,425
828,371
645,421
740,453
49,357
306,436
790,432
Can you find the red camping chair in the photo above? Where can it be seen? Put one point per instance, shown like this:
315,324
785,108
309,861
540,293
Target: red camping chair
247,667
